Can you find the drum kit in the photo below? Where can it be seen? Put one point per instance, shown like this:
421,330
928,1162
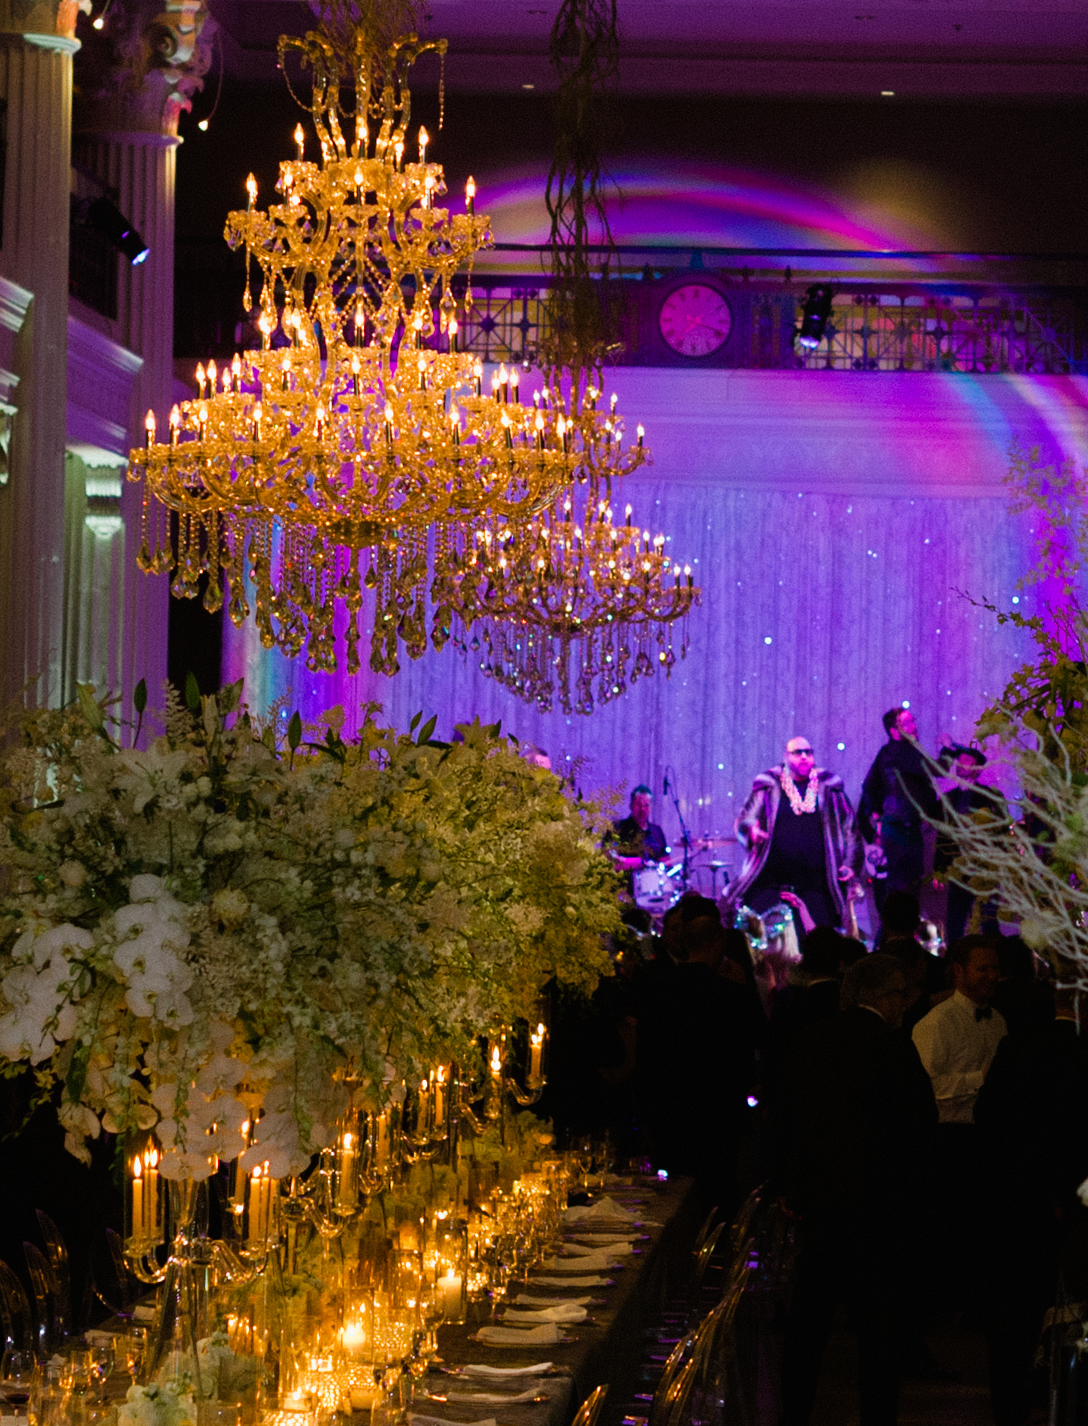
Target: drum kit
658,886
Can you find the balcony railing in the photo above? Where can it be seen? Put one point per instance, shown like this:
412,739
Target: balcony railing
930,321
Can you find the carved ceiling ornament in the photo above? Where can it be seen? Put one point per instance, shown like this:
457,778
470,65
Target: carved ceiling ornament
143,67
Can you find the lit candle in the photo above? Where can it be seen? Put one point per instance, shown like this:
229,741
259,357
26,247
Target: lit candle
536,1052
353,1339
389,427
149,427
449,1295
424,140
152,1216
213,375
440,1096
356,368
255,1205
398,153
496,1062
424,1106
251,189
201,376
504,382
470,197
628,513
641,433
382,1144
175,424
300,141
258,412
421,367
453,334
360,323
514,379
138,1224
478,376
348,1191
455,425
319,421
539,424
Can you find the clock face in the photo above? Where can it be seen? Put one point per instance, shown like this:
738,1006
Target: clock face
695,319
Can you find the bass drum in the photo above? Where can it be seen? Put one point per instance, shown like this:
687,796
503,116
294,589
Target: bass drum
655,891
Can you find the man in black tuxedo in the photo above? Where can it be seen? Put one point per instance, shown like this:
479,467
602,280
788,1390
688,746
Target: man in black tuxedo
856,1117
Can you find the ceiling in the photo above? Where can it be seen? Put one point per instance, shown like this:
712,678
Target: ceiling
921,49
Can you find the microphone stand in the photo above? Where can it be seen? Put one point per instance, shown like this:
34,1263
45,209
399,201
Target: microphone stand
670,787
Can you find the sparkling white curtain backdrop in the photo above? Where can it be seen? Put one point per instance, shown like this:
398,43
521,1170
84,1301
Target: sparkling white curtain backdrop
836,523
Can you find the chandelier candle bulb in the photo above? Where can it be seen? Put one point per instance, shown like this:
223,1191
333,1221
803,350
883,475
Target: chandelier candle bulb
300,141
478,376
149,428
455,426
470,197
453,334
439,1080
356,368
251,189
536,1054
640,433
421,365
514,380
201,377
175,424
424,140
628,513
398,155
319,423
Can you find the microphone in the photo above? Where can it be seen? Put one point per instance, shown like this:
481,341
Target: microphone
665,789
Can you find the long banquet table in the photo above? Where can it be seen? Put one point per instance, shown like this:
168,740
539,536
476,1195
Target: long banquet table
607,1347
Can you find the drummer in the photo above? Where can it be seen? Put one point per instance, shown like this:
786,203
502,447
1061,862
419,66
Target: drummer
636,840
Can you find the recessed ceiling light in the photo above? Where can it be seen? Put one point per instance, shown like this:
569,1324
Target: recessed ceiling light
887,93
528,86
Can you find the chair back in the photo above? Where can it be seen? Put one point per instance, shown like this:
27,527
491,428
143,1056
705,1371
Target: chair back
703,1256
56,1250
45,1291
15,1314
590,1409
704,1231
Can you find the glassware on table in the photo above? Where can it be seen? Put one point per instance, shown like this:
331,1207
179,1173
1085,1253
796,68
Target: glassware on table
18,1376
130,1350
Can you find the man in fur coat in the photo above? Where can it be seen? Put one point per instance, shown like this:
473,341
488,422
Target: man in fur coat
801,838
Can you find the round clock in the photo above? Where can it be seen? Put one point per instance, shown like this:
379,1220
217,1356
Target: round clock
695,319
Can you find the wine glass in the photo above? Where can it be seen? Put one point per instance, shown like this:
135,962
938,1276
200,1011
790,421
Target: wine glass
18,1374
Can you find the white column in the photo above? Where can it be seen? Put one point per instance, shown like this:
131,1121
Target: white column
126,133
36,49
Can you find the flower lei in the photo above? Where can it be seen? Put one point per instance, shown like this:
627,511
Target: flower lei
789,787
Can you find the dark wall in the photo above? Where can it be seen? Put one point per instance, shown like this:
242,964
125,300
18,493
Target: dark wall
1003,178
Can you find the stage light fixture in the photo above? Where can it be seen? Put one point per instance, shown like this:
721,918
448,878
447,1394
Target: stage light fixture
814,318
106,218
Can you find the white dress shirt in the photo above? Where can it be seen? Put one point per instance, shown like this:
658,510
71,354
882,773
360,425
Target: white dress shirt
957,1049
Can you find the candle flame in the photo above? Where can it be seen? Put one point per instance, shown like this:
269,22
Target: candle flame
137,1167
151,1158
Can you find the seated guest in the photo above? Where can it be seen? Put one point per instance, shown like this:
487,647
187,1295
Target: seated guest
854,1124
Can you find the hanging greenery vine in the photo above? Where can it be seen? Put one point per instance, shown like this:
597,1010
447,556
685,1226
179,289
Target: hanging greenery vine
582,327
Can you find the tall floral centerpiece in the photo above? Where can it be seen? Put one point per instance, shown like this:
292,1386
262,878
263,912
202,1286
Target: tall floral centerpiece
228,936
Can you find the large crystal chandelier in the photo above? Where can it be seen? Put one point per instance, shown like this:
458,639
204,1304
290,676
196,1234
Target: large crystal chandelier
570,604
359,443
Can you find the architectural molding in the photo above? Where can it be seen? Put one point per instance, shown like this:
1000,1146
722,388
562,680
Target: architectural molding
101,381
142,69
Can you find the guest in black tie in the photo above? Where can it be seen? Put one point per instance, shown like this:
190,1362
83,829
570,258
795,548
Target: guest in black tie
957,1042
855,1120
811,997
1032,1120
697,1065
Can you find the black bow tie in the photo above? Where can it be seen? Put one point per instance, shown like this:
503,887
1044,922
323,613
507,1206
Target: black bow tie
982,1013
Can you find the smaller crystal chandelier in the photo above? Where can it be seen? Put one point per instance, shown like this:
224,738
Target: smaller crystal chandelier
569,605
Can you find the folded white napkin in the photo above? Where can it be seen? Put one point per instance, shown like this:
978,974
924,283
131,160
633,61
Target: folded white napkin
525,1299
597,1237
519,1336
482,1369
589,1280
606,1208
545,1314
583,1262
493,1396
417,1419
618,1247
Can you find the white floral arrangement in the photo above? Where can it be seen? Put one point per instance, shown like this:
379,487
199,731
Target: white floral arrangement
226,921
168,1403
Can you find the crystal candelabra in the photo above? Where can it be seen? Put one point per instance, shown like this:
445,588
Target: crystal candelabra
331,460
